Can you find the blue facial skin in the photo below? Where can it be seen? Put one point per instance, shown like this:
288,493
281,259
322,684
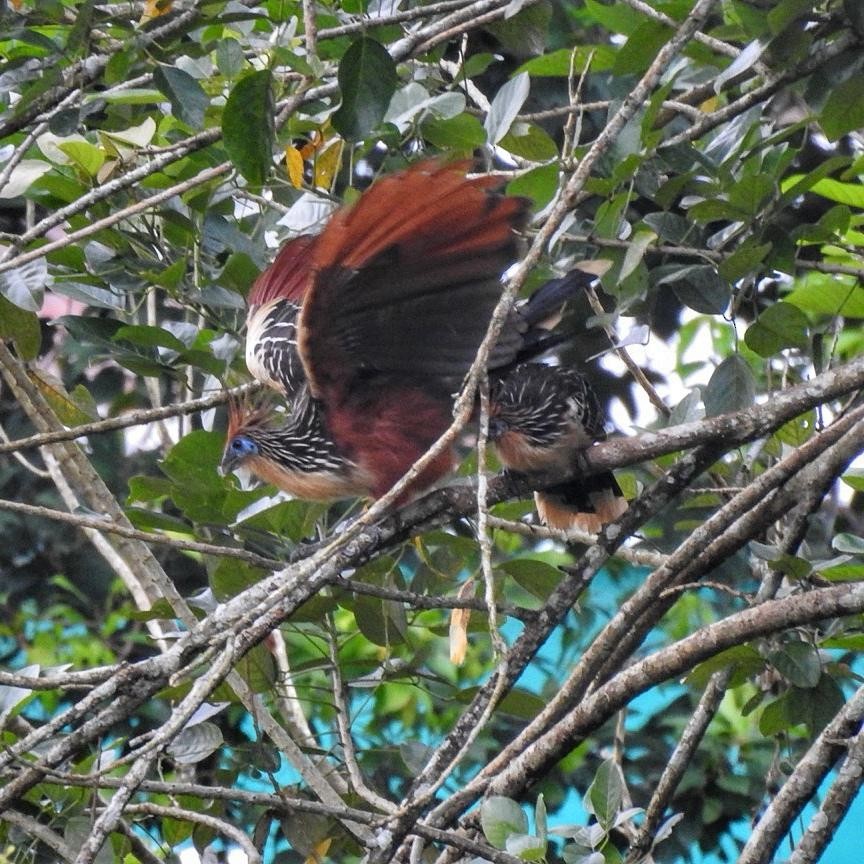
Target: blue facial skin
236,451
242,446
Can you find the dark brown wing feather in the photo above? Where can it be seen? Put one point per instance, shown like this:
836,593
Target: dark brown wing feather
405,281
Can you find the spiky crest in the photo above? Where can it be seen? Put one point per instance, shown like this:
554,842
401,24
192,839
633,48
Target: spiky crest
248,412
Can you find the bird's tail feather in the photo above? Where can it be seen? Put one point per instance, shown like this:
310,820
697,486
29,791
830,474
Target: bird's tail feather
587,505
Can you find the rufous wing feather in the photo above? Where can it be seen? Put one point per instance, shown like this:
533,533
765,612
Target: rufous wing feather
289,275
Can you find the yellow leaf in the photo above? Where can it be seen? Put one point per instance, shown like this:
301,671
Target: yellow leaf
327,165
154,9
294,166
320,850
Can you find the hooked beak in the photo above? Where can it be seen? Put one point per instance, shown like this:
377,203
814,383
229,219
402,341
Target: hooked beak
229,463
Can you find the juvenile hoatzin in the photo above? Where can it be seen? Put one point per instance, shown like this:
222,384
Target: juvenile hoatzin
540,417
369,328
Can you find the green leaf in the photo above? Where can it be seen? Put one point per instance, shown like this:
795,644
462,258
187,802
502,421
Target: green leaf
844,110
731,387
229,57
669,226
798,662
500,817
786,12
605,794
22,327
382,622
23,176
743,659
843,193
258,669
797,430
538,184
750,193
828,294
529,142
854,480
149,337
527,847
779,326
25,285
64,406
231,576
77,831
524,33
700,287
188,100
505,106
558,64
850,543
247,126
640,49
745,259
195,743
191,464
540,820
367,81
536,577
462,132
616,17
88,157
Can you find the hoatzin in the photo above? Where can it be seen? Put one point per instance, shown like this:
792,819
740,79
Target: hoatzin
369,328
539,417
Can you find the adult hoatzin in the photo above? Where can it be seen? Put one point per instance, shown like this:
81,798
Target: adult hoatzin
540,417
369,328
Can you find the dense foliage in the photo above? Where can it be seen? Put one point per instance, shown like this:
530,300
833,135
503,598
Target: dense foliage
188,661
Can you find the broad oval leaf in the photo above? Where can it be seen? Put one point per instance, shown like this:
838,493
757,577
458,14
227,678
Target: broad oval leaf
23,175
779,326
247,126
462,132
850,543
500,817
538,184
700,287
367,80
605,794
799,663
188,100
731,388
22,327
25,285
844,110
195,743
526,846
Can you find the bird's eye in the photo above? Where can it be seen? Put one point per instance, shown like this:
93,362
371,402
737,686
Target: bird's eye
242,446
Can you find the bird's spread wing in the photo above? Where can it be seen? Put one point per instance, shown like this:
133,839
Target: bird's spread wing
288,276
271,324
405,281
